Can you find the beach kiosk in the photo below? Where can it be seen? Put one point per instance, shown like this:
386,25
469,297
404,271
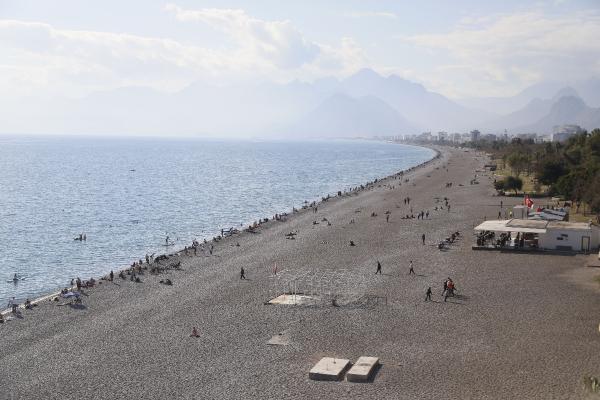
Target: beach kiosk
576,236
527,234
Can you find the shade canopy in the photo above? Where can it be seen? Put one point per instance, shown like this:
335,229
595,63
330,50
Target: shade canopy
504,226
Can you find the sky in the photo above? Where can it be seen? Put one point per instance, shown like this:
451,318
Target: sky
461,48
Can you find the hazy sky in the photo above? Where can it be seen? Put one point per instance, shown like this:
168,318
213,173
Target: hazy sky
459,48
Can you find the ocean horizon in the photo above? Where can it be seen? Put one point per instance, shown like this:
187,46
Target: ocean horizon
128,194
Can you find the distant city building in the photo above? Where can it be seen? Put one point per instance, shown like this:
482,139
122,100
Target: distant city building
561,133
425,136
442,136
543,139
475,135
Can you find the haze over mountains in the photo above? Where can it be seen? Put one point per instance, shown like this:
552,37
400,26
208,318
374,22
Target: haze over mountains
364,104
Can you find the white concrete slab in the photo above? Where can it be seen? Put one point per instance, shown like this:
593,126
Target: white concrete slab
363,368
329,369
291,299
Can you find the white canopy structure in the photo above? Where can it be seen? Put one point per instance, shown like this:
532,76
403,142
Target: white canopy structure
552,235
513,225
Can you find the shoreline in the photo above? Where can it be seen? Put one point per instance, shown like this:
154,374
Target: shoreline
288,214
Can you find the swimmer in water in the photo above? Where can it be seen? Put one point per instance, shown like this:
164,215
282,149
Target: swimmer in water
15,278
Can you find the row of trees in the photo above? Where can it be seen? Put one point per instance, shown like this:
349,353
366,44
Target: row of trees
570,169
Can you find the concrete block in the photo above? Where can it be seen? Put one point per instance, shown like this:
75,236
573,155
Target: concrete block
329,369
363,368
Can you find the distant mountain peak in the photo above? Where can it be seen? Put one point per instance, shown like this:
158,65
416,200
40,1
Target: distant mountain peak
570,102
341,115
366,73
566,91
365,78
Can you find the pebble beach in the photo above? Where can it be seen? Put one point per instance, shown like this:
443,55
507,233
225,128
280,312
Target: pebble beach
523,326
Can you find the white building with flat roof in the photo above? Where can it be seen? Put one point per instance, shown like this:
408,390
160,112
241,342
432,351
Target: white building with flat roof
561,133
547,235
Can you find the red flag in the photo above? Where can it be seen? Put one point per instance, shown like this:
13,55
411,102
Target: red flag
528,202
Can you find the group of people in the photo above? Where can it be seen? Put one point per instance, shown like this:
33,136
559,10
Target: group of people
448,291
448,288
423,215
83,284
13,305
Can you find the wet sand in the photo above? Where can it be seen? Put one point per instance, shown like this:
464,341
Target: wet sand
521,327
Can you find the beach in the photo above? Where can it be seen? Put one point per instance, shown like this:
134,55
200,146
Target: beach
522,327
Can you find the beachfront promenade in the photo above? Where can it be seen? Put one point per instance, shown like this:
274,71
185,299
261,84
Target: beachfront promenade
523,325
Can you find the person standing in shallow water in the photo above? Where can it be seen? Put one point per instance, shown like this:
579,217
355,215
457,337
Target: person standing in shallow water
378,268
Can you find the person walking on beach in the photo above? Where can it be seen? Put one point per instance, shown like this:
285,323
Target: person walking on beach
378,268
242,273
423,238
112,275
411,269
387,218
428,294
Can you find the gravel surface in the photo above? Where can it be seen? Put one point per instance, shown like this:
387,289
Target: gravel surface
521,328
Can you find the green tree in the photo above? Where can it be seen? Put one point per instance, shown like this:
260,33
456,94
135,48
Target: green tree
513,183
518,162
549,171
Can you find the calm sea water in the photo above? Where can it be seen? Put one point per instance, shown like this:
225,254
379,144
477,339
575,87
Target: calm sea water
128,194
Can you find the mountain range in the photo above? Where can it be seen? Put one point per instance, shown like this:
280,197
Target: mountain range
541,115
364,104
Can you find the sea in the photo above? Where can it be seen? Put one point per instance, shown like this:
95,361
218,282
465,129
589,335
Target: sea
128,194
